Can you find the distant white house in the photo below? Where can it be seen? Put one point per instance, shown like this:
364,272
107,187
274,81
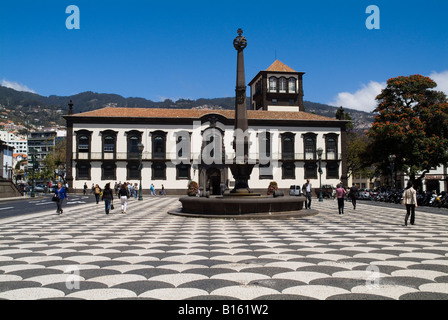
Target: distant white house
6,160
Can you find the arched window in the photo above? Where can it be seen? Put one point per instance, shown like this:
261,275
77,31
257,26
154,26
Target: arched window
288,146
310,147
272,84
292,87
83,143
283,85
109,144
212,146
133,138
264,141
331,148
133,144
159,145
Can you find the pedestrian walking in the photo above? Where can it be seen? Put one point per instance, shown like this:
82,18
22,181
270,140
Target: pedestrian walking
163,192
152,189
84,192
59,196
107,197
410,201
116,188
123,194
130,189
340,194
353,194
97,193
307,191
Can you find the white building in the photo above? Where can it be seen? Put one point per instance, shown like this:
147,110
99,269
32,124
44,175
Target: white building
182,145
19,144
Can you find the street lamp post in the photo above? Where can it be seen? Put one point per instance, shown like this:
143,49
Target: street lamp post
33,163
319,154
140,147
392,158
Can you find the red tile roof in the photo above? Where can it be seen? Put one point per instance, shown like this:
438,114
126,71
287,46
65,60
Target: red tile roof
280,66
110,112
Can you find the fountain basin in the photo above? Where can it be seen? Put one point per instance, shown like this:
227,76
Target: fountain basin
256,207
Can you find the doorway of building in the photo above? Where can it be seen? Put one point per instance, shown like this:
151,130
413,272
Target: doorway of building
214,181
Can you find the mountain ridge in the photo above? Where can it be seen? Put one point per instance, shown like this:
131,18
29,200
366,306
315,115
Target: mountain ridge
25,105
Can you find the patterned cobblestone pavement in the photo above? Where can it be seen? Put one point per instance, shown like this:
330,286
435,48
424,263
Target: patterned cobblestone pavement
84,254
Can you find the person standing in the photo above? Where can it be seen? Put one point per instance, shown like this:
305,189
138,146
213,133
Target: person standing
84,192
307,191
135,190
410,201
108,197
123,194
340,193
61,194
353,194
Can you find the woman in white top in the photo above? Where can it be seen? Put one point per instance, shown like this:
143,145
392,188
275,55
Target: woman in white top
410,201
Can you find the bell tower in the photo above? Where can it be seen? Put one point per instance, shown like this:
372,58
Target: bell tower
278,88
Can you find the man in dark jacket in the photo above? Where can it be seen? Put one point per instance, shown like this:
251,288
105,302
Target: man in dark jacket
353,194
307,192
107,197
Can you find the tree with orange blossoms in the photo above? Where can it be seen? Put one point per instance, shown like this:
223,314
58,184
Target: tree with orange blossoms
412,124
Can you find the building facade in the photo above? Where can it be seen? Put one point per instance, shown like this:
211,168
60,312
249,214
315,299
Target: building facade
181,145
184,145
19,144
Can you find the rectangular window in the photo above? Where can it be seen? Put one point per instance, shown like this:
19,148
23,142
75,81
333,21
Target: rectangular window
288,170
332,171
159,171
266,171
108,172
310,171
83,172
183,172
133,171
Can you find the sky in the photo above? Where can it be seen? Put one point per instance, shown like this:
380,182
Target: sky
183,49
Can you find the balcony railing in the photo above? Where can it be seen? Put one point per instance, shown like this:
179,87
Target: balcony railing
195,157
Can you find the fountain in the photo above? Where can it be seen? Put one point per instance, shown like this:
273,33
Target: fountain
241,202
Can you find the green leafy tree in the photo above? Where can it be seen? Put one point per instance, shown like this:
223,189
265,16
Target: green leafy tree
55,160
412,124
357,162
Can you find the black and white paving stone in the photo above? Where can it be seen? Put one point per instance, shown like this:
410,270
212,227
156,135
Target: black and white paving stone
84,254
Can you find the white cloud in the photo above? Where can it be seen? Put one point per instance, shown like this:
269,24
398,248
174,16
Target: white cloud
16,86
441,79
363,99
